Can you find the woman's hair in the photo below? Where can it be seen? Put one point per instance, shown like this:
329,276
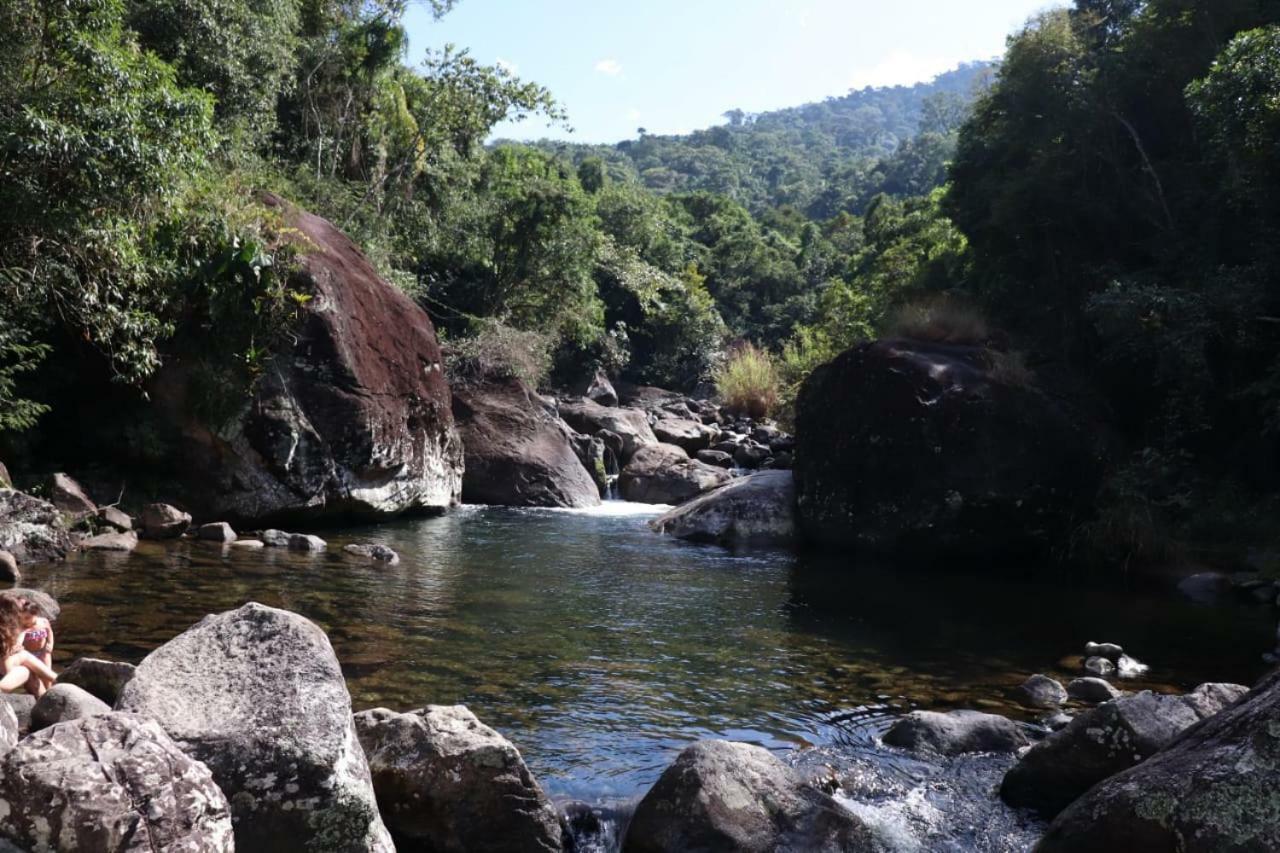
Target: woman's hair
26,607
11,627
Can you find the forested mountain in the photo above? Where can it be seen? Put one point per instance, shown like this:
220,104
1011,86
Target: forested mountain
821,158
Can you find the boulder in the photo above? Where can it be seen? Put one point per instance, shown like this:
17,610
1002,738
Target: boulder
920,450
32,530
69,496
630,425
104,679
1214,787
249,544
1206,587
350,417
112,541
718,458
21,705
955,733
217,531
48,606
9,568
6,482
377,553
597,388
723,797
754,510
115,518
1091,690
598,460
65,702
257,695
114,782
1099,667
1127,667
10,730
1104,741
1110,651
1044,692
751,455
447,782
162,521
687,434
664,474
517,452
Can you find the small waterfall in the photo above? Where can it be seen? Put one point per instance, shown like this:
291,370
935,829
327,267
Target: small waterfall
596,828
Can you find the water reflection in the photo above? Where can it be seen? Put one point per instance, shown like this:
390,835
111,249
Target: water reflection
600,648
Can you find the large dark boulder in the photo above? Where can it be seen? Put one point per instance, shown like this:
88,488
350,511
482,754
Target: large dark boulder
664,474
258,696
919,449
352,418
518,453
102,678
630,425
754,510
1214,789
447,783
114,782
65,702
32,530
1104,741
724,797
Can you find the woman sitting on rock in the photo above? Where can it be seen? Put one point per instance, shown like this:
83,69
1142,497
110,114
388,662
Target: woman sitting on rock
21,667
37,639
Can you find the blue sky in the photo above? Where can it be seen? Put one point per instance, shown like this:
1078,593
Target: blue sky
673,66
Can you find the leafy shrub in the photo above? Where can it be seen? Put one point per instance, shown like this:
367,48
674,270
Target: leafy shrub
939,320
496,351
748,382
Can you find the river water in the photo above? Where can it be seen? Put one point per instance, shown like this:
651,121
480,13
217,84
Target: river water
601,649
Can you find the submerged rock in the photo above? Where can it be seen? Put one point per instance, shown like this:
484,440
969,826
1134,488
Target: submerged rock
114,782
921,449
293,541
956,732
351,416
723,797
446,781
1104,741
518,453
257,694
754,510
115,540
664,474
377,553
1044,692
105,679
32,530
1215,787
63,702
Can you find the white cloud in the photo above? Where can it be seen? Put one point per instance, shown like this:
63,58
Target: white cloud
901,68
507,65
633,114
612,67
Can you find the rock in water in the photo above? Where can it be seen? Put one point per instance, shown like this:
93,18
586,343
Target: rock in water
955,733
110,783
1044,692
1104,741
1216,787
162,521
754,510
352,418
1127,667
1091,690
664,474
217,531
257,695
65,702
1099,667
31,530
517,452
1110,651
377,553
723,797
446,781
103,678
115,518
111,541
920,450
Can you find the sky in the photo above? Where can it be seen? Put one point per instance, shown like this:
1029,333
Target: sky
672,66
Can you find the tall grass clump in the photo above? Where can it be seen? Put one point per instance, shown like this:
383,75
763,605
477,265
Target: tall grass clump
941,319
748,382
497,351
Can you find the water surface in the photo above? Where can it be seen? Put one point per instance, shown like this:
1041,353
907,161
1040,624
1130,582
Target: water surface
600,648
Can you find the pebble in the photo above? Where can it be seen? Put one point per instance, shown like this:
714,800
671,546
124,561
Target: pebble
1044,692
1099,666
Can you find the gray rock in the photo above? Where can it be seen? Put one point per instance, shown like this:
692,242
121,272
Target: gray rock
955,733
275,538
115,518
32,530
10,733
718,458
65,702
1214,787
1044,692
722,797
597,388
162,521
257,695
114,782
112,541
249,544
686,433
1057,720
630,425
217,531
664,474
754,510
1206,587
306,542
6,482
1110,651
750,455
69,496
48,606
613,443
104,679
378,553
21,704
1102,742
1127,667
1099,666
1091,690
446,781
9,568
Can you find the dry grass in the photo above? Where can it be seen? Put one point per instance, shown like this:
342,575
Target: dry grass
748,382
1009,368
942,319
499,352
